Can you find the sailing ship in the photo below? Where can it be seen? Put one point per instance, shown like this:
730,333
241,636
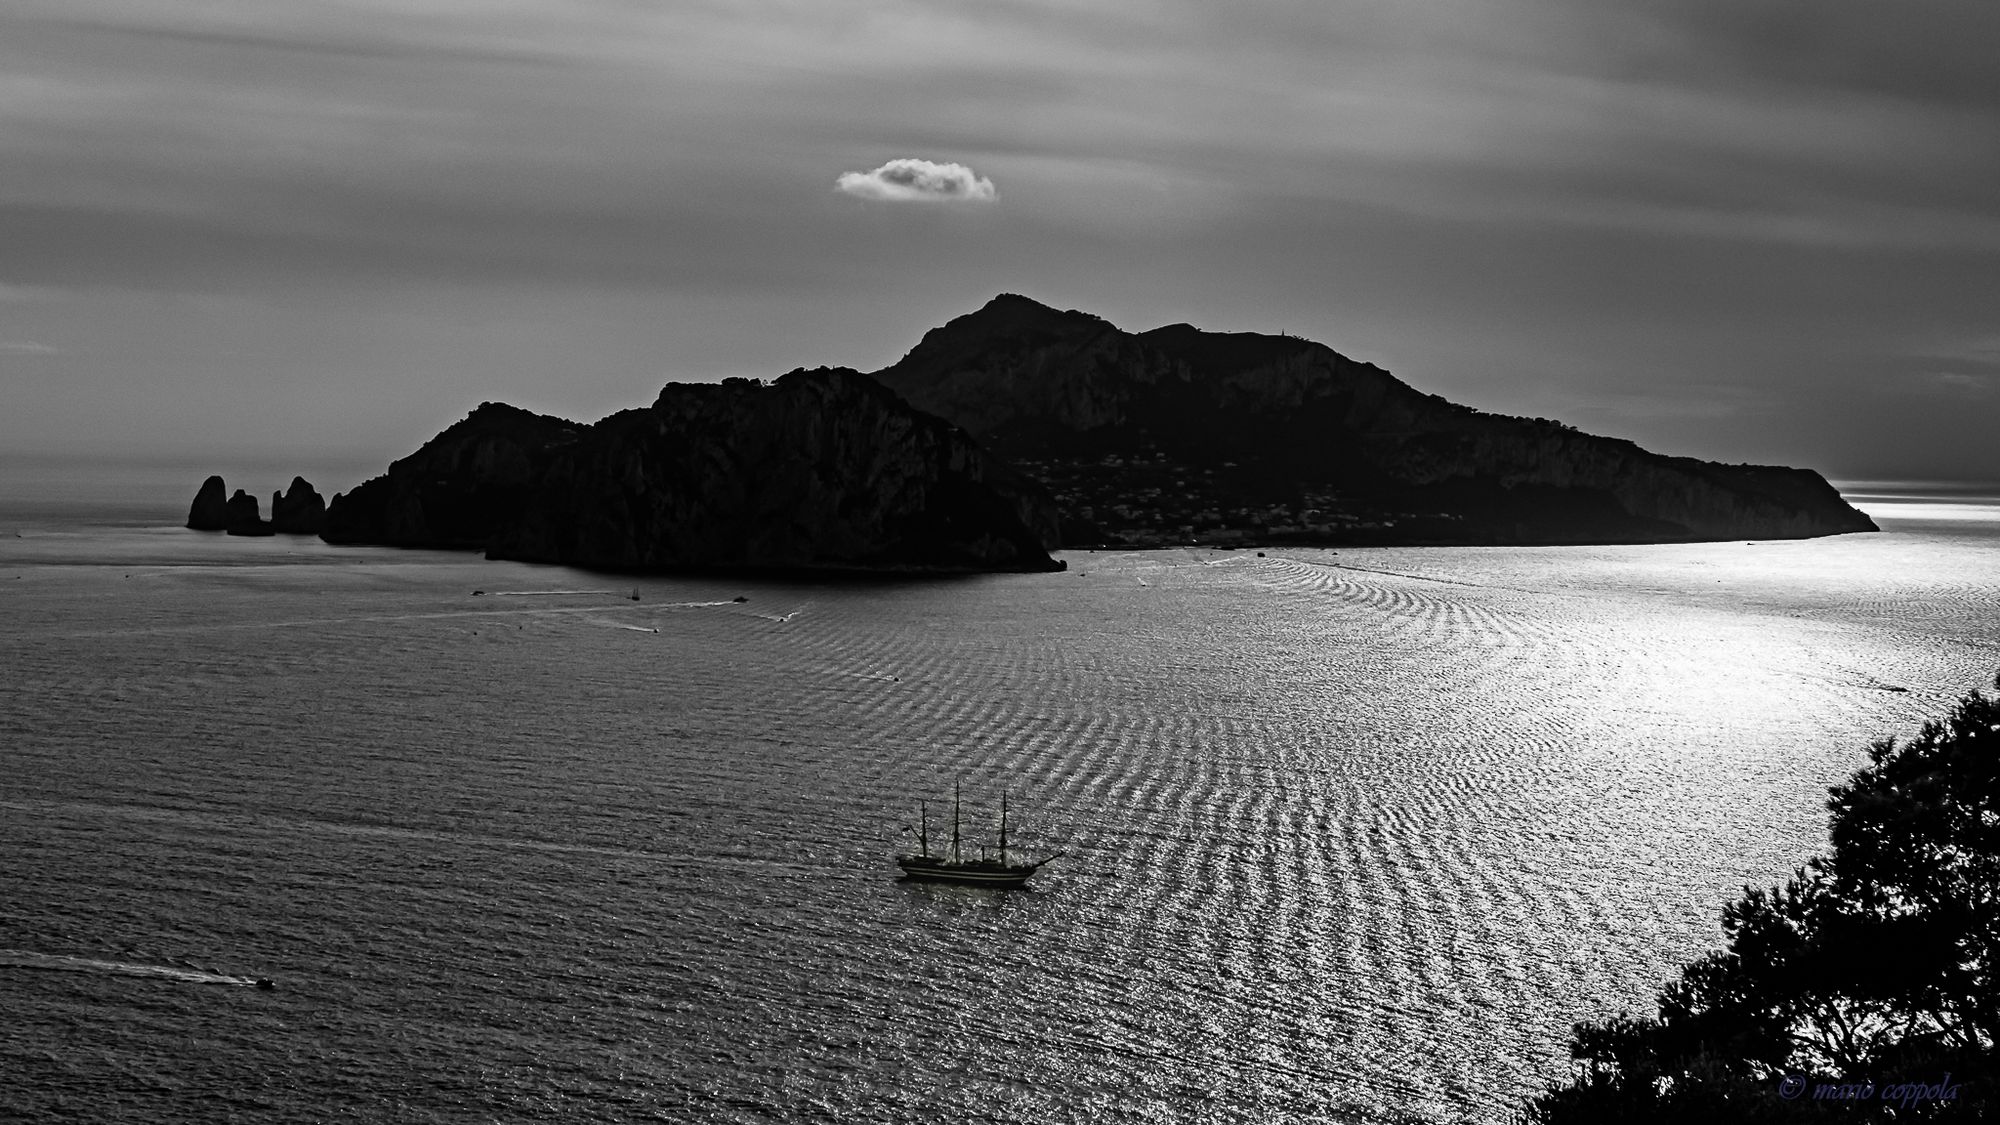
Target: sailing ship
993,868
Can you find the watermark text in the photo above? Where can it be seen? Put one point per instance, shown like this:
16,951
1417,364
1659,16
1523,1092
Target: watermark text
1806,1087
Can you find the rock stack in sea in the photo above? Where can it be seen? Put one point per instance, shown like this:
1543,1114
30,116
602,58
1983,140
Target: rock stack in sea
244,517
298,510
210,510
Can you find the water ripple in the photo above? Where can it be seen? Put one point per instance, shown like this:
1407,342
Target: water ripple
1349,835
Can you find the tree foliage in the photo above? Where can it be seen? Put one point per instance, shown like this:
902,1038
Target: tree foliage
1874,967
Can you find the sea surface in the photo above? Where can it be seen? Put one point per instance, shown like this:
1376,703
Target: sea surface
1349,835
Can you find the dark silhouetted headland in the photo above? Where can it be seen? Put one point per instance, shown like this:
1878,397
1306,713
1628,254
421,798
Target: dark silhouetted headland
460,488
819,471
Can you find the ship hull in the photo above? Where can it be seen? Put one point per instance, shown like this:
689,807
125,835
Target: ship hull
926,870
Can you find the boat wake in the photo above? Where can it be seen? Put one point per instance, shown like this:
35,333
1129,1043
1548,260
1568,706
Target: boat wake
621,625
187,974
878,677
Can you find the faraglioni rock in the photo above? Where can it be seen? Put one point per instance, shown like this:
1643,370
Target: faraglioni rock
818,471
299,510
1179,435
243,517
210,510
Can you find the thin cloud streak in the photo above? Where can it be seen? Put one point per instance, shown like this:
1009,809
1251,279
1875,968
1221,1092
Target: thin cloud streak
1502,112
1967,384
1562,183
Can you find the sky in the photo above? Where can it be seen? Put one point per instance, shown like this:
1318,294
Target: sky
1741,230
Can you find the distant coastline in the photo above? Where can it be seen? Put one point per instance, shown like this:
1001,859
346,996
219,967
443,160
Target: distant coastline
1947,507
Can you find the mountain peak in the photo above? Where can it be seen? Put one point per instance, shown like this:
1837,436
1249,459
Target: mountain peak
1002,300
1010,318
1014,304
1009,324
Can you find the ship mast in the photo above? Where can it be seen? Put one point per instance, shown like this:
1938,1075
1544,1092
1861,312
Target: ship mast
954,822
1003,828
923,828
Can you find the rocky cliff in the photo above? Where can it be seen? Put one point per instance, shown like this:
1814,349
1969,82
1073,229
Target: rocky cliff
460,488
820,470
1178,433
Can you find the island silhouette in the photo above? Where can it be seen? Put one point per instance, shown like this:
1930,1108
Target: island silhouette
1019,429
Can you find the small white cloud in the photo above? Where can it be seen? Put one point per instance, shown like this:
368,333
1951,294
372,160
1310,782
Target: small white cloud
920,181
24,347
